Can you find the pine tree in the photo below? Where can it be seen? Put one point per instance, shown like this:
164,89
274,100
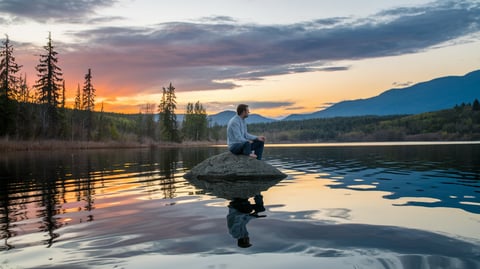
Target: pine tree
168,119
78,99
476,105
8,87
48,88
8,69
88,96
24,91
25,120
88,102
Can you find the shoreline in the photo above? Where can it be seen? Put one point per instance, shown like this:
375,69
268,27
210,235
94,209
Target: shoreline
39,145
58,145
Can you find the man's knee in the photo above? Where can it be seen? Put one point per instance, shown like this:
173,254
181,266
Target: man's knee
258,143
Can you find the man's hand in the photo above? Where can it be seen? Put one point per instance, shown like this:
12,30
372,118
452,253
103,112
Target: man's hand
261,138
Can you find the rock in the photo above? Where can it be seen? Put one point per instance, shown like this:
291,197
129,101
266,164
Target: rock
234,167
230,189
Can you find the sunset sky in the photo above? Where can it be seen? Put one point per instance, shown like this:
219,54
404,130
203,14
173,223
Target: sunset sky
279,56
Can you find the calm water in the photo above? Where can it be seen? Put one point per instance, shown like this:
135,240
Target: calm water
341,206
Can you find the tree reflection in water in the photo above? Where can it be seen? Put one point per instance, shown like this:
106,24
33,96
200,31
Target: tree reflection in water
43,191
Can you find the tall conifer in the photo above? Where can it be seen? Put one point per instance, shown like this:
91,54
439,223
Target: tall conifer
9,84
168,118
48,88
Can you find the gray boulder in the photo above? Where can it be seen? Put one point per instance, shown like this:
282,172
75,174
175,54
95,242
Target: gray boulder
234,167
231,189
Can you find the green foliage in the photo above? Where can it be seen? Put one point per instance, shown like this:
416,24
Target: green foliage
9,88
9,82
167,116
88,96
147,127
476,105
88,102
48,88
195,122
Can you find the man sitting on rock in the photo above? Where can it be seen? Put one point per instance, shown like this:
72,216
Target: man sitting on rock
239,140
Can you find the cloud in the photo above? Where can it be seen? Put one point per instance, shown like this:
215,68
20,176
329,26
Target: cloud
295,108
216,52
220,106
54,10
213,54
217,19
269,105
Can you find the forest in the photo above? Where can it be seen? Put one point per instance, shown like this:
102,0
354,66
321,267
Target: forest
39,113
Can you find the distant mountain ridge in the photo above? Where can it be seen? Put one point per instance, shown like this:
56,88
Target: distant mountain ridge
437,94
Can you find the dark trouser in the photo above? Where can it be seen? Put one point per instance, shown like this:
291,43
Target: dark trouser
246,148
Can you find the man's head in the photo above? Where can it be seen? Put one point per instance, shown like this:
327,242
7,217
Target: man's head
242,110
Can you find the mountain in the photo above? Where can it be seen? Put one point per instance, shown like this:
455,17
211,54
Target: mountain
223,117
437,94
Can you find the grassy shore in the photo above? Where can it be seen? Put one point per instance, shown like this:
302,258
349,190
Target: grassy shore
7,145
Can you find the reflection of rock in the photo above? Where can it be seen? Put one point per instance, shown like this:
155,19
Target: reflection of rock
233,167
230,189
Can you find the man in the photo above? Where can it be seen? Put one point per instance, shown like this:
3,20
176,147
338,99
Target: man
239,140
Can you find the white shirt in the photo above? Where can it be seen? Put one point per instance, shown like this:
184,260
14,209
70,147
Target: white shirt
237,131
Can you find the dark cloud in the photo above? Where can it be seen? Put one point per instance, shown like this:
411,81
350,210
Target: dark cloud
295,108
52,10
212,55
268,105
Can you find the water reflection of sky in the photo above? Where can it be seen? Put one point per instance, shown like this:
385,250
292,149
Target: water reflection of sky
429,176
345,207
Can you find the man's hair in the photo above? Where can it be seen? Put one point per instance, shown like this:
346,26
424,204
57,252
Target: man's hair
241,108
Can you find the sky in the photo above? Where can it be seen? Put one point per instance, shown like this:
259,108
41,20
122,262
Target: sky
280,57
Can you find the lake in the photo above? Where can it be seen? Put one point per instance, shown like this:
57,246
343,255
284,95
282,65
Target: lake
365,205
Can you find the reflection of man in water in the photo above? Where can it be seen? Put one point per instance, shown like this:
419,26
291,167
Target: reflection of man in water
240,212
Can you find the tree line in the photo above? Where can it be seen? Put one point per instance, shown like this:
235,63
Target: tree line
39,112
459,123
